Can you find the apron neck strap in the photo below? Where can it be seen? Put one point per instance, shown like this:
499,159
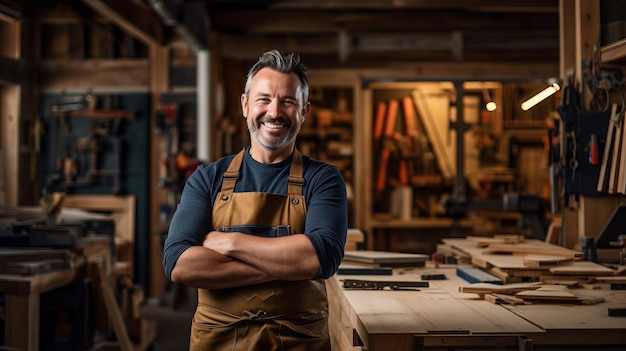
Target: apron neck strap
295,180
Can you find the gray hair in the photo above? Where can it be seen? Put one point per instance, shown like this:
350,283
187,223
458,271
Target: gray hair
283,63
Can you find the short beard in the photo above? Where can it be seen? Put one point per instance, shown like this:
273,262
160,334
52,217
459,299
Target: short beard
273,144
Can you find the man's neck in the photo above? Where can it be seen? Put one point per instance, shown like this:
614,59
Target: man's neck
263,155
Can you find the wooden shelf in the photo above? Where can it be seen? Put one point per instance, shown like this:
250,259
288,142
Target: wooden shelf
614,52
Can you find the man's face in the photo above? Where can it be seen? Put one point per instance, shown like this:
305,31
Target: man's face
273,109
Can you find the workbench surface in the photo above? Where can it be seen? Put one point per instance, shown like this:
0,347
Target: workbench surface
441,316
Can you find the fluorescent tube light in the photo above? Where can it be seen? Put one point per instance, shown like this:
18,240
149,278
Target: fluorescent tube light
542,95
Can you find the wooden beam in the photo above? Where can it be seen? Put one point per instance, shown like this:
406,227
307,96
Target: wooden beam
138,21
160,62
392,20
567,39
587,16
118,74
530,6
9,143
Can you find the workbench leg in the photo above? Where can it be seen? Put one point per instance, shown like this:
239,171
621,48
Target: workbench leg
22,329
96,271
525,343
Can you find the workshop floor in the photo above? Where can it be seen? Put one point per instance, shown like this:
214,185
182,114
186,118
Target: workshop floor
173,325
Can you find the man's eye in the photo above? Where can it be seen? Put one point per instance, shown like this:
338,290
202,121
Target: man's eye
289,102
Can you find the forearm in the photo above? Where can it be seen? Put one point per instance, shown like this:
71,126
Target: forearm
288,258
200,267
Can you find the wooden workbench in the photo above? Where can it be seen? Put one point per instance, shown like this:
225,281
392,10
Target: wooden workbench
442,317
22,293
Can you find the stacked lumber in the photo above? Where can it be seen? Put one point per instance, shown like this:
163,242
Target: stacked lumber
527,293
524,260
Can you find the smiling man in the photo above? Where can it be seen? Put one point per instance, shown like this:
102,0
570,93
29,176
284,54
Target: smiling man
258,232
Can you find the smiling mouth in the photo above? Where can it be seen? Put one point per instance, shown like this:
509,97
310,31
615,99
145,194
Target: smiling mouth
274,125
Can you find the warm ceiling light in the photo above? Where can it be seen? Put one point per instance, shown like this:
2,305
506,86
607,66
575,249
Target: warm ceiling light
542,95
490,105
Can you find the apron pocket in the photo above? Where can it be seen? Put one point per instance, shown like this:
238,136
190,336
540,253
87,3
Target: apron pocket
258,230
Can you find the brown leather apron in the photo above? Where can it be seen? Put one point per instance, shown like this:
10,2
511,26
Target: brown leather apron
278,315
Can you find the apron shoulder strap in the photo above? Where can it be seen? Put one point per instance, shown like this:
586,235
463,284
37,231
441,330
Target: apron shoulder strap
295,180
232,173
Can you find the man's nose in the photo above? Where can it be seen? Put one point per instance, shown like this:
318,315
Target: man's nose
273,108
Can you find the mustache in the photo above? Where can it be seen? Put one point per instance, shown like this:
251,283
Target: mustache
278,120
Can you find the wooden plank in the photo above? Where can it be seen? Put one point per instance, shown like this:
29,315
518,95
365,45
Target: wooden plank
9,140
547,293
10,35
503,299
497,239
354,239
385,258
587,31
488,288
435,135
544,260
159,84
616,157
582,268
620,186
617,279
608,151
532,248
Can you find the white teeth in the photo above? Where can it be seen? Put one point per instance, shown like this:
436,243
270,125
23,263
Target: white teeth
273,125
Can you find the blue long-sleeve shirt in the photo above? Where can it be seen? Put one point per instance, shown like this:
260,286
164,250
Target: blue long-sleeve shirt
324,191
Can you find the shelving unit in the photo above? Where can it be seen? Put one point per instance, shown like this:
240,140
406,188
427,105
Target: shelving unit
328,133
397,205
614,52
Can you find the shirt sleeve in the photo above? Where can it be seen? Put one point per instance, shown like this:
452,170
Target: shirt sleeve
191,220
327,218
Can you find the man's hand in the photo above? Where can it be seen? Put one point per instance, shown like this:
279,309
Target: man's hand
220,242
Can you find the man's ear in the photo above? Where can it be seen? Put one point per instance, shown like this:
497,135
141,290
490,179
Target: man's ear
305,110
244,105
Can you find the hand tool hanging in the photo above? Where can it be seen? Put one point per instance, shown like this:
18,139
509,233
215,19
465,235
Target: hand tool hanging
36,132
169,113
66,162
578,131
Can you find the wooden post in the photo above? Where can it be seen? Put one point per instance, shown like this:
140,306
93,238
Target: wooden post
160,62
